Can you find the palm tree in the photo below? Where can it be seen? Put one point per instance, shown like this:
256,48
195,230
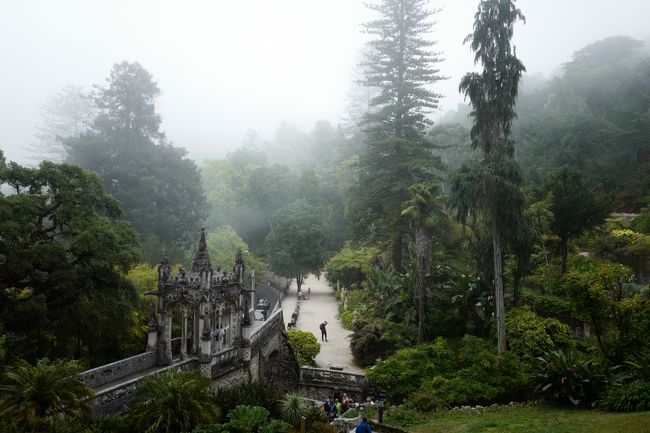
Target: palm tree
493,93
173,402
46,390
423,211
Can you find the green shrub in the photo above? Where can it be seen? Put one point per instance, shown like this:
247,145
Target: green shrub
247,419
531,336
483,377
110,423
548,305
634,396
403,373
403,416
569,377
378,339
305,346
212,428
641,223
275,426
252,394
347,319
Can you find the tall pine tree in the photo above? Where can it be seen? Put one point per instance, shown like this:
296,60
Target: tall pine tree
401,64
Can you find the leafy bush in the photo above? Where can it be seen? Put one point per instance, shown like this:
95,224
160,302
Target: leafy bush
110,424
404,372
634,396
275,426
252,394
212,428
305,346
641,223
378,339
247,419
482,377
531,336
569,377
403,416
548,305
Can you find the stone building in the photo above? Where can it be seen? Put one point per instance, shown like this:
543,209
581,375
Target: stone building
211,308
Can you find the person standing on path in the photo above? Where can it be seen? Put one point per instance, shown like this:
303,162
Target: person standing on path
323,331
309,293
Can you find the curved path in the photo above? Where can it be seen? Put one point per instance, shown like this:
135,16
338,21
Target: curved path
322,307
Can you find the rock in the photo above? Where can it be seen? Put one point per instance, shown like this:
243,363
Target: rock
478,407
465,407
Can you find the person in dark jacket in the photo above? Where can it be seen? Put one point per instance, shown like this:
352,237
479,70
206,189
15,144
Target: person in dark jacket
323,331
363,426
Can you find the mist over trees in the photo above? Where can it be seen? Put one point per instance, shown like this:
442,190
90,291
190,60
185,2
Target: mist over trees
501,253
65,115
159,188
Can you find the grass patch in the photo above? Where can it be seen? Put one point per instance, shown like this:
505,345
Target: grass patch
535,419
370,412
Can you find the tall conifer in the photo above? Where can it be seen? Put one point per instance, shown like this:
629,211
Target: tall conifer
401,64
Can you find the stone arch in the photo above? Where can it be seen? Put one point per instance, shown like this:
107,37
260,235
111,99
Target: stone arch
278,365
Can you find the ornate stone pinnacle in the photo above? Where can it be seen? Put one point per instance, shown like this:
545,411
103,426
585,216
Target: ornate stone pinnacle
202,257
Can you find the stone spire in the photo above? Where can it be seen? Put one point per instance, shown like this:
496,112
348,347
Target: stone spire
202,257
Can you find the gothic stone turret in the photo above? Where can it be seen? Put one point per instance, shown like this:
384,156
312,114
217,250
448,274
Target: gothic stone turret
203,295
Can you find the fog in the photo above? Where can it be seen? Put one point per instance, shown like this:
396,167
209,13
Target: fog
225,67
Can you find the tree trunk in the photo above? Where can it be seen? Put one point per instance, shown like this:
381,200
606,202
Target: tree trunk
564,252
396,256
423,251
299,281
498,290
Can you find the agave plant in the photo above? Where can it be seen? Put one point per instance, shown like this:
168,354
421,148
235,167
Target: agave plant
292,408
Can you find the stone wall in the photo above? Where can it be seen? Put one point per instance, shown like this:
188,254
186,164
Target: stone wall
231,379
115,371
271,361
278,365
321,383
115,399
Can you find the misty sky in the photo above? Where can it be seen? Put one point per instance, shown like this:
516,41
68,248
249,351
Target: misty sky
227,66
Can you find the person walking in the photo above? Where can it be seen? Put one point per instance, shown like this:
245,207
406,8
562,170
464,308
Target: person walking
323,331
308,292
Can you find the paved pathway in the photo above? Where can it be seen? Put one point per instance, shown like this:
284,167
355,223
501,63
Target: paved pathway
322,306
